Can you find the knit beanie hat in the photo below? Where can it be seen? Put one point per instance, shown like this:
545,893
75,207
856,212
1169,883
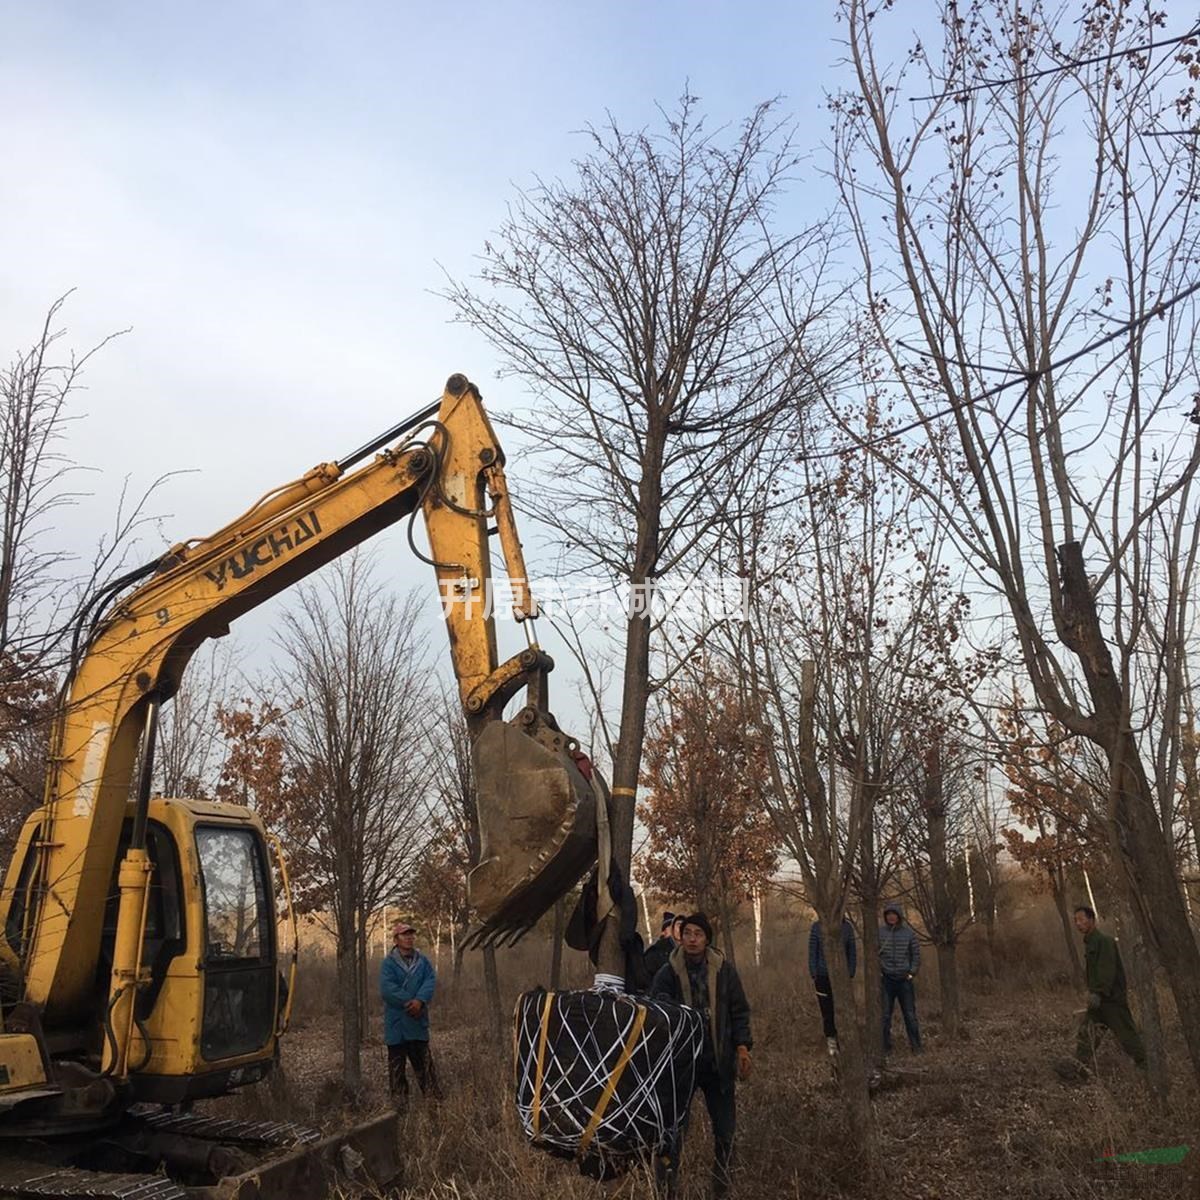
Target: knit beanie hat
701,922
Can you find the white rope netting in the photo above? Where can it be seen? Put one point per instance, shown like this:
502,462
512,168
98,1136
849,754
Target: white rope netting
602,1075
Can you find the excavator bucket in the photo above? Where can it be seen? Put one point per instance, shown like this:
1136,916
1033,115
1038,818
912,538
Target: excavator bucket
537,824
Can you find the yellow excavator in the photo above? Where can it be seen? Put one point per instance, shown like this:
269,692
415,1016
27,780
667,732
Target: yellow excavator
139,965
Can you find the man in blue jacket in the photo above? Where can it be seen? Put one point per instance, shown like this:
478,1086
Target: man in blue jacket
406,982
899,961
818,970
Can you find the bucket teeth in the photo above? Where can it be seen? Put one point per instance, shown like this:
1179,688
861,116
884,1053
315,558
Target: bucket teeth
537,821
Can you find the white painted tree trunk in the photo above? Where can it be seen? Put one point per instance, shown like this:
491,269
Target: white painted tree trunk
758,924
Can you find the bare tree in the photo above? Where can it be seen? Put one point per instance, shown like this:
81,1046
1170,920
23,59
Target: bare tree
355,825
455,845
822,834
43,584
1034,289
454,824
940,802
854,633
710,837
189,745
985,879
663,329
1049,795
26,710
1189,745
35,482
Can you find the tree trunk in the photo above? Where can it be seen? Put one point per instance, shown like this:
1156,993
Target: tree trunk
869,963
1136,838
993,890
1154,892
944,929
947,960
1189,758
1071,936
1147,1011
727,911
458,950
635,693
491,979
758,926
990,943
348,983
362,943
560,929
853,1057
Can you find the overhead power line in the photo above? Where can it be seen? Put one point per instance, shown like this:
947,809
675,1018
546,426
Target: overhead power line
1070,65
1023,379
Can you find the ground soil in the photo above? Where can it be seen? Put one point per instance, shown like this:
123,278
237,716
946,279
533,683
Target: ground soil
984,1117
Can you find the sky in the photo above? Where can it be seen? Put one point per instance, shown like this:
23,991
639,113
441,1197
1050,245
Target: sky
266,194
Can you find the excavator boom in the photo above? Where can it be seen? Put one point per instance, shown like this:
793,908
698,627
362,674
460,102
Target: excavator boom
537,809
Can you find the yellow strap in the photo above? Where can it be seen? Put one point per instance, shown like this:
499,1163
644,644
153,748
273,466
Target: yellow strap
611,1086
624,791
541,1062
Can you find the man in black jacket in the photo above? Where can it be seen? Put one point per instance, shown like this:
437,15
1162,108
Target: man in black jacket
697,975
659,951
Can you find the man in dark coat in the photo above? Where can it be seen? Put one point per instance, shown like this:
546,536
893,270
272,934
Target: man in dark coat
659,951
1108,1005
818,970
697,975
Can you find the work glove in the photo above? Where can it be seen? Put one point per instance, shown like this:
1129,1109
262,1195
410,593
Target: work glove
413,1008
744,1065
1094,1000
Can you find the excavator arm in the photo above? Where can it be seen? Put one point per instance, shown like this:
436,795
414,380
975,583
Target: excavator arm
537,810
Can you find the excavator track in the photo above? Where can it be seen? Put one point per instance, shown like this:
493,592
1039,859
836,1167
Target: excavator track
300,1162
70,1182
215,1129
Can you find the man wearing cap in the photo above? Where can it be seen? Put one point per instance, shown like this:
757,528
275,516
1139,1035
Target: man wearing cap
696,974
406,982
659,951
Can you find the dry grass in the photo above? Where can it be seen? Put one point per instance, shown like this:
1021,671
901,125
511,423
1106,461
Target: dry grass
985,1117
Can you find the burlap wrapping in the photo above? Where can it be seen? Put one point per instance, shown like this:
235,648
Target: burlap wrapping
601,1076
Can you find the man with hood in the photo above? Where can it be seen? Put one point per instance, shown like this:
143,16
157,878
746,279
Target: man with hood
659,951
406,982
899,960
697,974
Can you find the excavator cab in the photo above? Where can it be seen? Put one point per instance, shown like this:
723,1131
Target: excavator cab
210,953
209,1001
